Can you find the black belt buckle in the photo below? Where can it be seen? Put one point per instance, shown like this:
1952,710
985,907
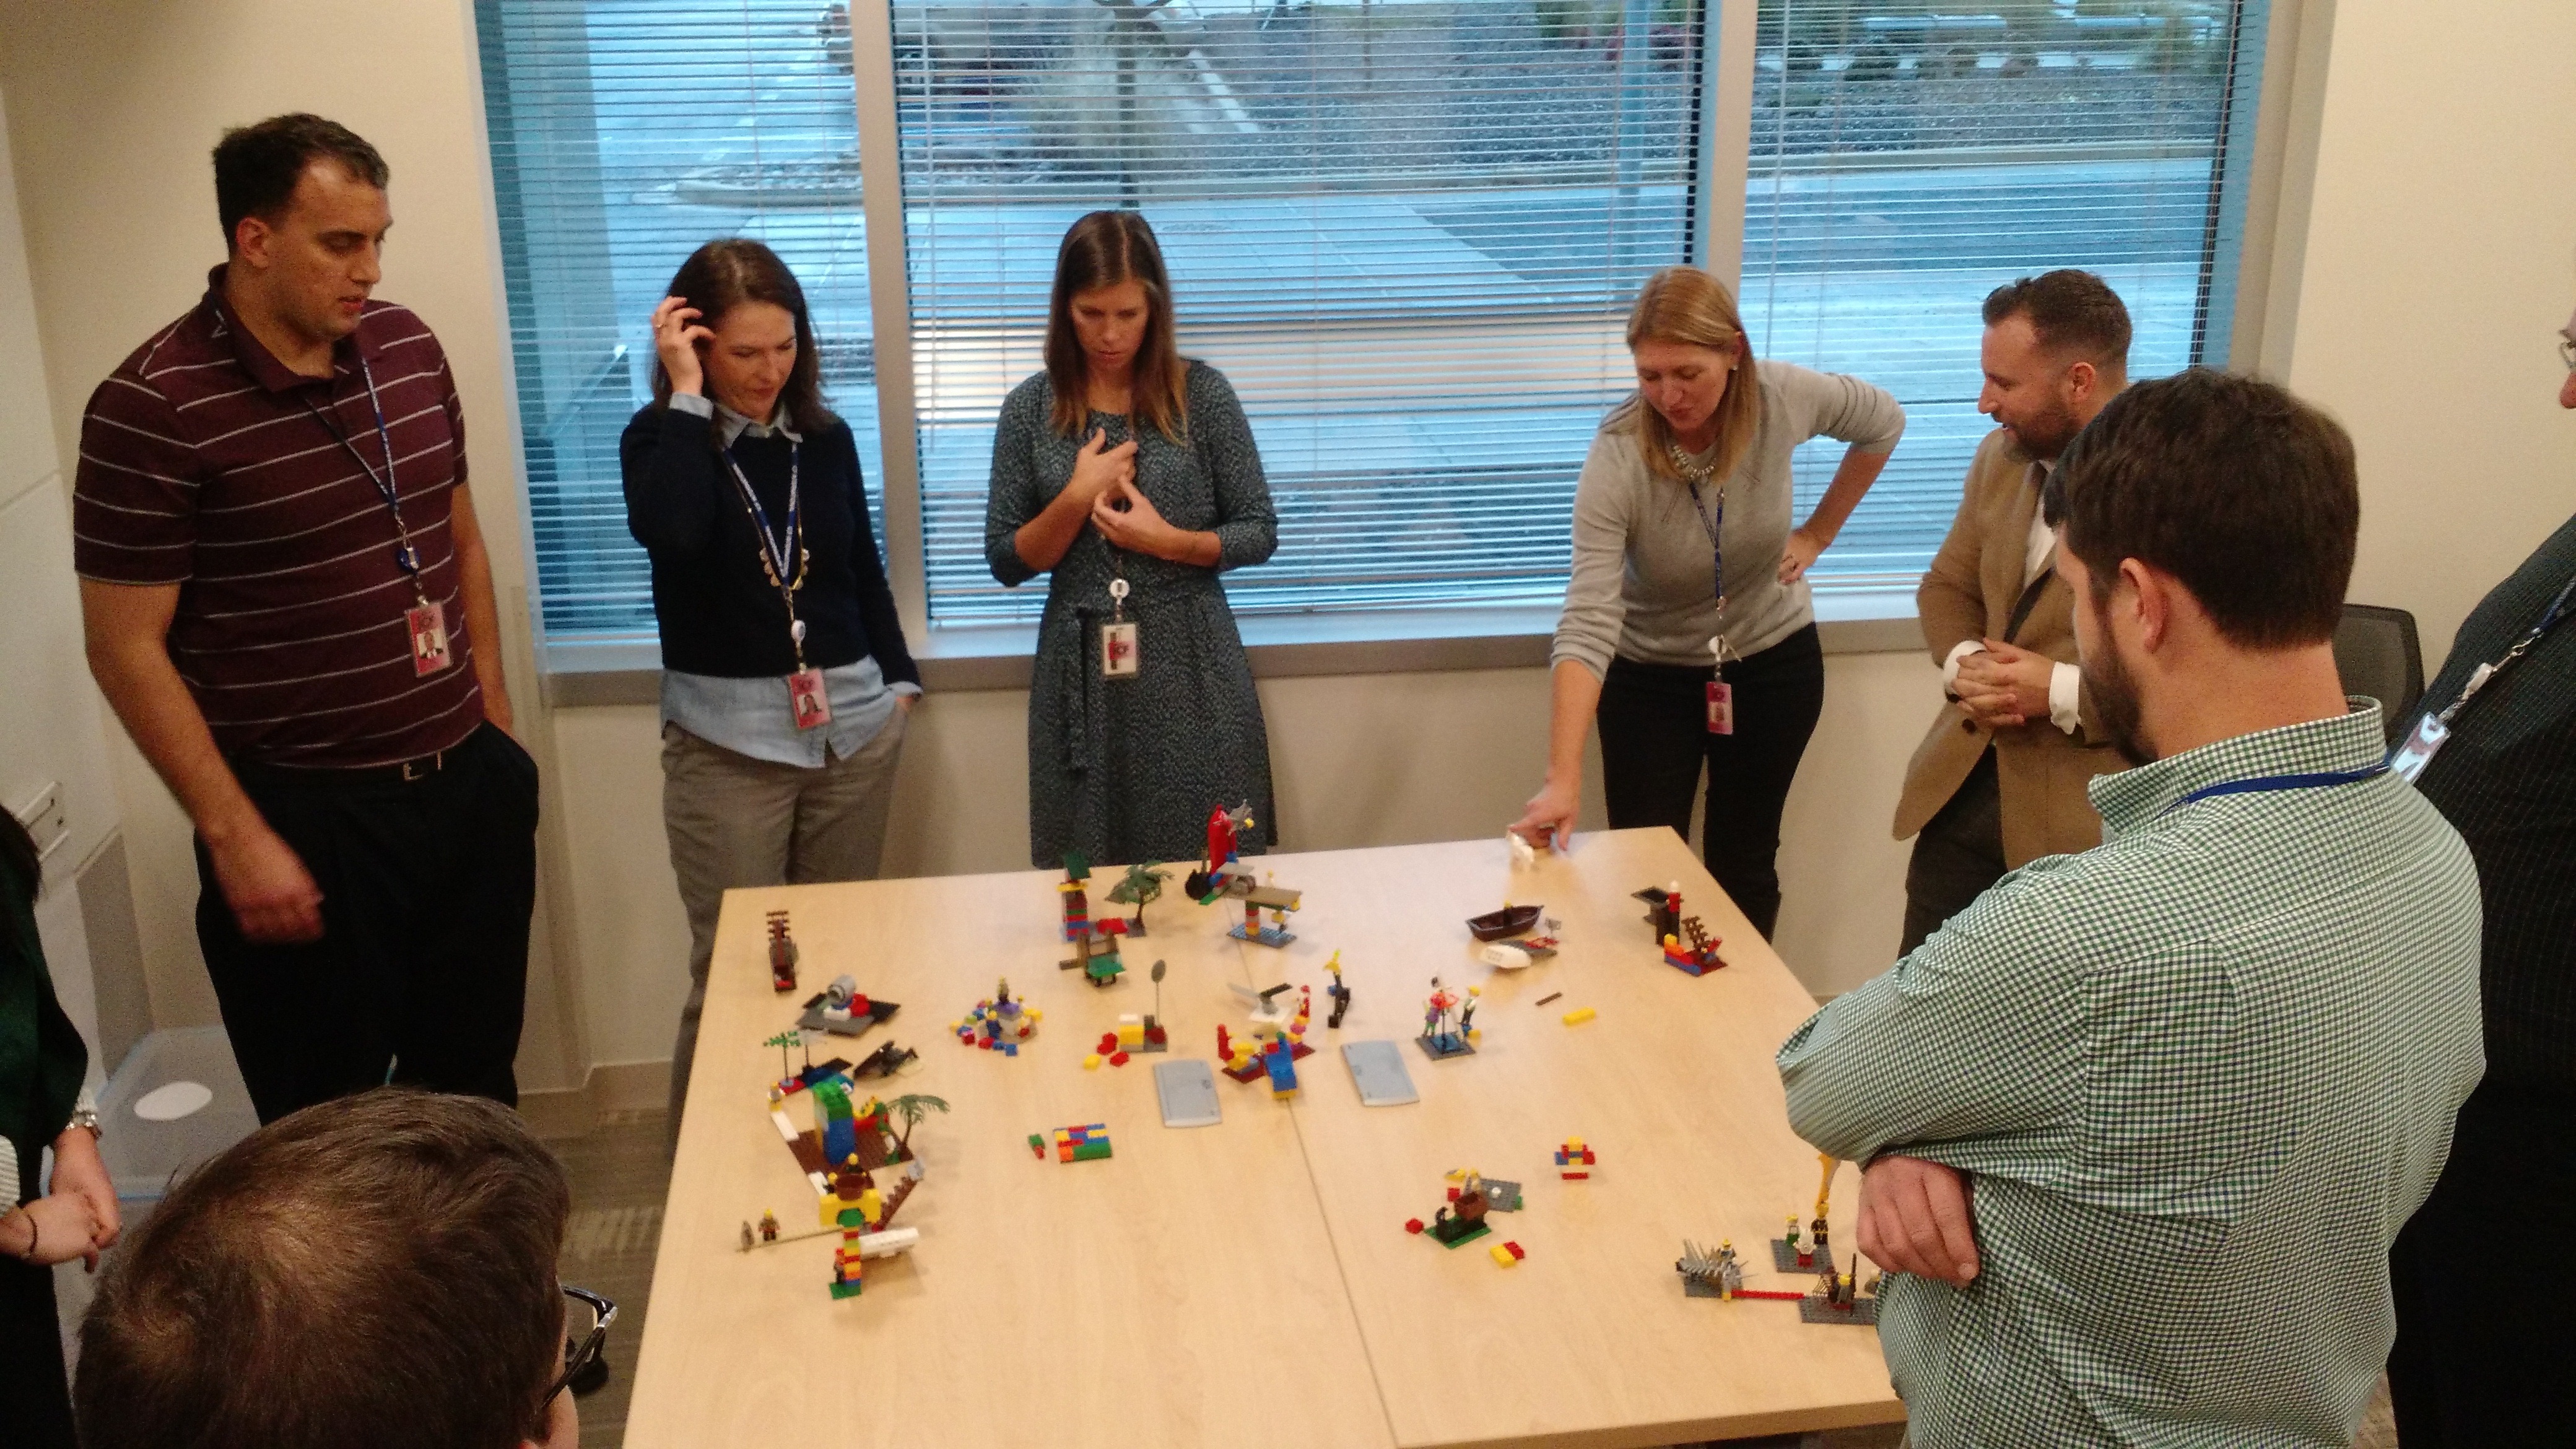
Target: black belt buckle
423,767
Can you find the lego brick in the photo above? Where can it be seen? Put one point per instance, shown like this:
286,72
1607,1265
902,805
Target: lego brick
1504,1254
1579,1015
1377,1069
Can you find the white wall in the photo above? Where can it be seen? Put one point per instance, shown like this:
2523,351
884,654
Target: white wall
50,731
2438,256
2440,262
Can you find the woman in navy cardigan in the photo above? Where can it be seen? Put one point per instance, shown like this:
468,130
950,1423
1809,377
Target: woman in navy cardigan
785,680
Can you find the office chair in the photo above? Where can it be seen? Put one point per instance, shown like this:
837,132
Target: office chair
2378,654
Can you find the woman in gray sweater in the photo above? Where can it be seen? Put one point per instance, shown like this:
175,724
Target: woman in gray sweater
1686,493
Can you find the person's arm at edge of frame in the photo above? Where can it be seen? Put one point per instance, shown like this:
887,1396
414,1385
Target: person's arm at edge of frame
1247,522
877,613
126,629
1872,421
474,578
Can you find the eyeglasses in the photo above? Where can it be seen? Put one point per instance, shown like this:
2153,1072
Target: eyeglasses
581,1349
2567,352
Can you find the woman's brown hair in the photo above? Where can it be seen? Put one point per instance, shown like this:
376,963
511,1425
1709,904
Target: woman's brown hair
724,274
1688,306
1103,250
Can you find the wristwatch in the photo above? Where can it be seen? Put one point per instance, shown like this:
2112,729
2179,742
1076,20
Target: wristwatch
86,1115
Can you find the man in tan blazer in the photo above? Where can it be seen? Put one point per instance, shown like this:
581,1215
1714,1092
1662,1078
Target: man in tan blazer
2000,779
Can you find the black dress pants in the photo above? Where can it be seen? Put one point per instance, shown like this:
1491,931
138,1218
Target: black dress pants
1958,856
1655,741
2483,1357
35,1400
421,972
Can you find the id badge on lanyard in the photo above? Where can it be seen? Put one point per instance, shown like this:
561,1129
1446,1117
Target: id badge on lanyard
1721,695
427,622
1118,656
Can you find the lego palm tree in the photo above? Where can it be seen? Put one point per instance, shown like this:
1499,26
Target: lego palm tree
786,1041
910,1109
1142,884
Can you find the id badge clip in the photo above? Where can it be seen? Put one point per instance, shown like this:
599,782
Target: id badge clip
2420,748
1721,695
429,648
1118,656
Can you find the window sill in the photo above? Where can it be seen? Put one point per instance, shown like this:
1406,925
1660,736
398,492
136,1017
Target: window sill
627,671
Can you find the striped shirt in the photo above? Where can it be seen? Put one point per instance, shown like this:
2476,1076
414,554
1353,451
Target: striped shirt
2199,1075
206,463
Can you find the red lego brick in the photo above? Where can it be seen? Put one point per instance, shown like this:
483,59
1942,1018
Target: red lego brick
1515,1250
1117,1059
1413,1225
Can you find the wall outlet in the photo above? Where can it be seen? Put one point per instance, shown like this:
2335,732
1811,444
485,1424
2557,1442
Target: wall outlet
44,819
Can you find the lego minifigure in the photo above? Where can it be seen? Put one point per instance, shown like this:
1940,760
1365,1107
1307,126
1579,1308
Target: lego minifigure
1340,993
768,1226
1439,1037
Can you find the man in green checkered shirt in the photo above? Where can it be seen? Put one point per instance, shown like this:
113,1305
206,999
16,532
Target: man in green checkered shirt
2141,1123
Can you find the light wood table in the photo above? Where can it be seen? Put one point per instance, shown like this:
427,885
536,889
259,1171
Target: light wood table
1252,1283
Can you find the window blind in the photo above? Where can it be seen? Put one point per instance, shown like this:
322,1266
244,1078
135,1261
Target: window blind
1905,163
1406,232
624,134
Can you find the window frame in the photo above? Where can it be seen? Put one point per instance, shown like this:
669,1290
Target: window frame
2260,208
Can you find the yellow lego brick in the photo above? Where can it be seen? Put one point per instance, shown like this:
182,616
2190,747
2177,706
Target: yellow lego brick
1579,1015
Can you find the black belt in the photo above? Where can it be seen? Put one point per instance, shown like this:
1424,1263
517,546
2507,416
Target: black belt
400,772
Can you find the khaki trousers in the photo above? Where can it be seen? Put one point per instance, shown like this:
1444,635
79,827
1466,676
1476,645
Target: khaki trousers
736,822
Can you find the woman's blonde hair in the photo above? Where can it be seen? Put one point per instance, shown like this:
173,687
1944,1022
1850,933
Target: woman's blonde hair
1688,306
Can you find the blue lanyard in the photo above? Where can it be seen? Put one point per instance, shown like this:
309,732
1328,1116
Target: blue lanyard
405,555
775,548
2265,784
1715,523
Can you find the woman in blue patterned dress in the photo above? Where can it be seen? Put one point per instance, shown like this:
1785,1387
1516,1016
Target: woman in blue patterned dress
1127,473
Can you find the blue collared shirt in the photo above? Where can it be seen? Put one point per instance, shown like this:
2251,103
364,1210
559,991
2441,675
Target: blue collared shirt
752,716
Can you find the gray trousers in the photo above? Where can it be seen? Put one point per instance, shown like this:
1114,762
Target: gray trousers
735,822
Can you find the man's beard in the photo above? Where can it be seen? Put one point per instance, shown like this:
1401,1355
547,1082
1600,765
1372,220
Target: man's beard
2115,702
2046,436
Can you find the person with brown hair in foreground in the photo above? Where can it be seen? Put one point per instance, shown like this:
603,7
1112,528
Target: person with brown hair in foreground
376,1271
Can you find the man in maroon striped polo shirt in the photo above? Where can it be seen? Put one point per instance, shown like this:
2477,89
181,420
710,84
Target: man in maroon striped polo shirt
289,605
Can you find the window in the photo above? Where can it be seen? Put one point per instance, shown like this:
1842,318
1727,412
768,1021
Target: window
1407,233
1904,164
1407,230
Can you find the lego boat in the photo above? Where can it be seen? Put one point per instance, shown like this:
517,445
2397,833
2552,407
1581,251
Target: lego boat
1509,921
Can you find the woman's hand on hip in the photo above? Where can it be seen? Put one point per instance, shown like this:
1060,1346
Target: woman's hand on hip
1803,549
676,335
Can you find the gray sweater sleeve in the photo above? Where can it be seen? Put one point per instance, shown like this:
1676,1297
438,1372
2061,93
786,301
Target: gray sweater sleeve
1839,406
1606,496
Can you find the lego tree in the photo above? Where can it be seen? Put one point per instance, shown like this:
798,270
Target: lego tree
910,1109
785,1041
1139,888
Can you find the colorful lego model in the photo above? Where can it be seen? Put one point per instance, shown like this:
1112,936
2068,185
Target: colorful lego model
1574,1161
1709,1275
1838,1297
782,954
1277,1043
1137,1034
1224,832
1074,1144
1663,910
998,1023
1077,905
864,1218
1448,1023
1694,950
1787,1253
1095,953
843,1010
1500,1196
1275,899
1459,1220
845,1133
1340,993
1506,1254
1138,888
